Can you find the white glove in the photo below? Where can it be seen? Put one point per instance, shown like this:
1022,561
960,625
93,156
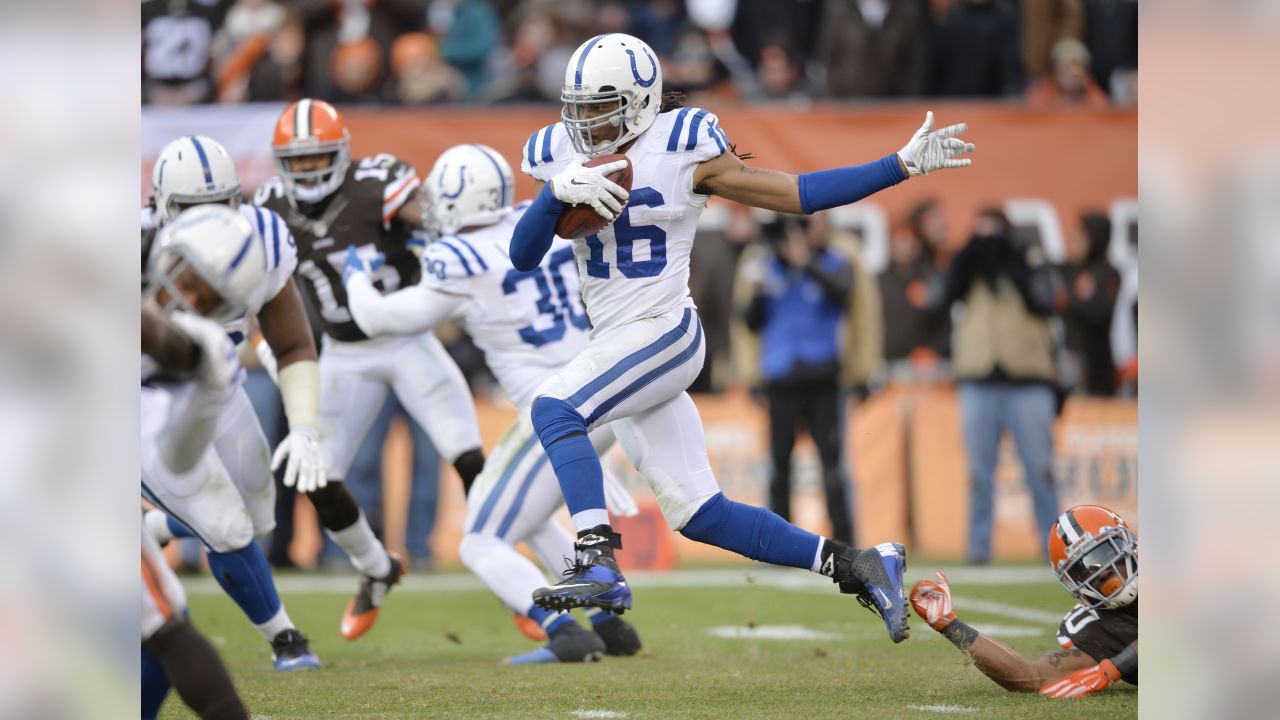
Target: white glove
306,464
219,367
930,150
578,185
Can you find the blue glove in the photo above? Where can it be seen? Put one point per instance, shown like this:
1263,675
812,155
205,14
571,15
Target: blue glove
356,264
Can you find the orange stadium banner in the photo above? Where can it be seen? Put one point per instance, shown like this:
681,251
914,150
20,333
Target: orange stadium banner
1103,167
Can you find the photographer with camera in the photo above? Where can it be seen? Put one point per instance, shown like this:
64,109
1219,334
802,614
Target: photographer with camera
800,292
1003,358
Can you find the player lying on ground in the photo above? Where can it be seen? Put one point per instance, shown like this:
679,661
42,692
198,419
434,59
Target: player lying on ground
212,259
1095,556
528,324
646,339
197,353
329,201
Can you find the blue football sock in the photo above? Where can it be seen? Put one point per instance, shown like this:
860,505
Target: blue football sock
177,528
246,577
549,620
155,685
563,433
597,616
752,531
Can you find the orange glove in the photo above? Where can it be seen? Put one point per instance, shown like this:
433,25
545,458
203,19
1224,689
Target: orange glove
1083,682
932,601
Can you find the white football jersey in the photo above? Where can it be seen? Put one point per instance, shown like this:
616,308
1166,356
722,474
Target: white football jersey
639,266
281,259
528,324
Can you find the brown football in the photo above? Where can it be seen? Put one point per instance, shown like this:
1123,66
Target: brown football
579,221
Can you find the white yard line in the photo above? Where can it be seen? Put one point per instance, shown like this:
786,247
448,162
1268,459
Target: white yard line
598,714
770,632
1015,612
943,709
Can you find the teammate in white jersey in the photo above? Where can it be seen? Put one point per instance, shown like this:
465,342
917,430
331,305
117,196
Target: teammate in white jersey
230,499
529,324
174,652
646,340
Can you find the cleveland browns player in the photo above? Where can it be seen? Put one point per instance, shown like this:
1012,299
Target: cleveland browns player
1095,556
331,201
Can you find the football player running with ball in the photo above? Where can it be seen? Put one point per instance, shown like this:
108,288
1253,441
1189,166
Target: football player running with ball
646,345
1095,556
329,202
529,324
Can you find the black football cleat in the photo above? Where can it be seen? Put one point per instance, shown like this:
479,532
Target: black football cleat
568,644
362,611
874,575
290,650
593,579
620,638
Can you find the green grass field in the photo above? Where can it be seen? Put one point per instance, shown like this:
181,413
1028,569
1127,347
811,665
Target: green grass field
438,647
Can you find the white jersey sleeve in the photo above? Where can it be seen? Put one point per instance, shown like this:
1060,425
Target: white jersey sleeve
697,133
547,152
280,250
450,263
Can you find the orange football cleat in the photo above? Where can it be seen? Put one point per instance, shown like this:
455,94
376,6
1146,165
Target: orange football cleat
362,611
530,628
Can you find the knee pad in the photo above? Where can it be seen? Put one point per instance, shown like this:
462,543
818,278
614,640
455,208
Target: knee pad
335,506
555,419
469,464
234,534
473,546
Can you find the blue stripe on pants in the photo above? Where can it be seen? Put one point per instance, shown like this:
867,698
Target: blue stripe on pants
151,498
630,361
648,378
492,500
518,502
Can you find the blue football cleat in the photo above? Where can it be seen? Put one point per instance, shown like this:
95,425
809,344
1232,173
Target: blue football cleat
290,650
593,579
568,644
874,575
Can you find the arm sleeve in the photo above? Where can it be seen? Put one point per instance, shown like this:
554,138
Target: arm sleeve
826,189
537,228
413,310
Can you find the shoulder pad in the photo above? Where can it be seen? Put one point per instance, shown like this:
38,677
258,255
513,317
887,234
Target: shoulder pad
546,151
694,130
452,258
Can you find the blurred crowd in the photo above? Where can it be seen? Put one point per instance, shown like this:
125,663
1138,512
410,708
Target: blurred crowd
905,322
429,52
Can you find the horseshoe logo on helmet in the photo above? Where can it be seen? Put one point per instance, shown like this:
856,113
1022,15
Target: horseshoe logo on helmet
636,72
462,182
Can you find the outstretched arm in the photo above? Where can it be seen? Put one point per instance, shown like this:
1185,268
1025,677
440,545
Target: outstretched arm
996,660
410,311
928,150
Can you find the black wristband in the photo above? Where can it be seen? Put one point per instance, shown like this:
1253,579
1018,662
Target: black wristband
960,635
1126,662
